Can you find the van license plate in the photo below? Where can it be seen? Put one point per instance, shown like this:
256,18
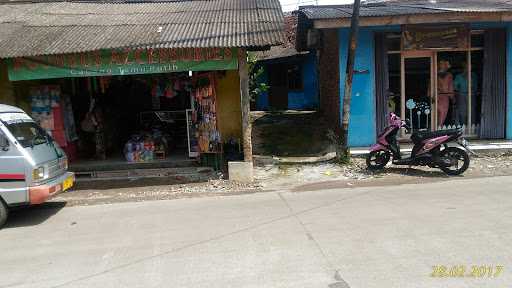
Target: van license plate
68,183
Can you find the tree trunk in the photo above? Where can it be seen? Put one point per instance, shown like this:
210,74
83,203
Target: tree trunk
347,97
246,105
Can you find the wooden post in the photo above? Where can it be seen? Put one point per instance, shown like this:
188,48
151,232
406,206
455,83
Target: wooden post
354,31
434,79
402,92
246,105
470,91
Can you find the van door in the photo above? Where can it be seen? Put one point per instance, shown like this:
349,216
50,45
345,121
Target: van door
13,185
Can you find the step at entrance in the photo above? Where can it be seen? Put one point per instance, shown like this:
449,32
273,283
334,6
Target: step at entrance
186,174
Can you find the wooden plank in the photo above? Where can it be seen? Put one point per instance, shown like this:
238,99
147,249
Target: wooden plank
433,82
435,36
417,53
470,79
402,92
246,105
449,17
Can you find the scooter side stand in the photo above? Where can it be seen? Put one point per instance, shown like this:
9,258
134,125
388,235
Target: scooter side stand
463,143
473,153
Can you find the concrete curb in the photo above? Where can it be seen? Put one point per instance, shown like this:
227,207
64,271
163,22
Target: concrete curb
261,160
480,146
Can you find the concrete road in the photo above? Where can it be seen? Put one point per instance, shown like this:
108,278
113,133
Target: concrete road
359,238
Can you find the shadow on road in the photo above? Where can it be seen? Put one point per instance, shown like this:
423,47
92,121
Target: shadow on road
135,183
32,215
406,171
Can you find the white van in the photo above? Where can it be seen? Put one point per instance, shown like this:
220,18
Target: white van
32,166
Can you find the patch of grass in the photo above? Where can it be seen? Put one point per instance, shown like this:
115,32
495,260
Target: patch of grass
343,159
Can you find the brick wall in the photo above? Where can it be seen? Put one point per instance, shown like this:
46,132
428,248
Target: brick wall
329,77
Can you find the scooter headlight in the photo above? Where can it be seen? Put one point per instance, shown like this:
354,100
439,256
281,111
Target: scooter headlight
38,174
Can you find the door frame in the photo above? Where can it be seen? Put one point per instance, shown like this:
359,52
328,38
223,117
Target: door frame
433,83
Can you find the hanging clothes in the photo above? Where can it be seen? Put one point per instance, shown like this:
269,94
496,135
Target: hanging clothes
494,91
382,82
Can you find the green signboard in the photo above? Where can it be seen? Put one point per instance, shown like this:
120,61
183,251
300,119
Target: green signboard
122,62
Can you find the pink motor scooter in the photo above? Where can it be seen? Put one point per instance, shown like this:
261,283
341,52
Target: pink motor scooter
430,149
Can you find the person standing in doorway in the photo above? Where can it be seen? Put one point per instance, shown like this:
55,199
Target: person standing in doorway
445,91
462,87
93,123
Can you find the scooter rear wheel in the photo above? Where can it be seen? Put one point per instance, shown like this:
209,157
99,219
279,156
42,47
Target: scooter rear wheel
377,160
455,156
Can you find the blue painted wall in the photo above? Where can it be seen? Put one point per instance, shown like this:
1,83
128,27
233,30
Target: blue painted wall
362,128
310,78
305,99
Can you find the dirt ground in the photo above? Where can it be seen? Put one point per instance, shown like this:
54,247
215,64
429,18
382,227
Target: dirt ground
290,133
295,178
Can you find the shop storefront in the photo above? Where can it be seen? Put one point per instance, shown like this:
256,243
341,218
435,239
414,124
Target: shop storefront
135,105
123,85
435,66
436,78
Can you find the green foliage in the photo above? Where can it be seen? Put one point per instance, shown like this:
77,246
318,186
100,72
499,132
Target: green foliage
256,86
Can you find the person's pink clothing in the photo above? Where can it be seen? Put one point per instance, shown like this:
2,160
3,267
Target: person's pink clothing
443,104
445,93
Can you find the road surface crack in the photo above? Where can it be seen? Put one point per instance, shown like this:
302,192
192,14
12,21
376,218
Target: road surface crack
219,237
310,236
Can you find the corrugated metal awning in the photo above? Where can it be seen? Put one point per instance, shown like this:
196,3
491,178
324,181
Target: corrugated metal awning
31,29
406,7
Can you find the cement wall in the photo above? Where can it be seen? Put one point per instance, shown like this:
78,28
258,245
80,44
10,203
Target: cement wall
229,113
329,82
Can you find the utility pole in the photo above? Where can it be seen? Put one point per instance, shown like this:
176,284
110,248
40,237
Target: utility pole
347,97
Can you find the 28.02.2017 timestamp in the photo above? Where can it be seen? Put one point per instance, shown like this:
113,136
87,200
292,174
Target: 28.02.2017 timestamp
474,271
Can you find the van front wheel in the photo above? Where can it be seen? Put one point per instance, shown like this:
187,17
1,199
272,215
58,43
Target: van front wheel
4,212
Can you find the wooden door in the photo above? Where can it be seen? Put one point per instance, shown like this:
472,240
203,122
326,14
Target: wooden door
418,99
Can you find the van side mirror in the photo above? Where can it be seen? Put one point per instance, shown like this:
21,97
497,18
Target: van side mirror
4,142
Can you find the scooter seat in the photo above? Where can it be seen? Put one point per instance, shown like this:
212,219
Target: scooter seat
419,136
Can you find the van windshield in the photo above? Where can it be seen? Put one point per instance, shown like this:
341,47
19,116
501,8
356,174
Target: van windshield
28,133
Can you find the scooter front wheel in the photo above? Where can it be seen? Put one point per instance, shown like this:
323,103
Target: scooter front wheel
4,212
377,160
454,161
